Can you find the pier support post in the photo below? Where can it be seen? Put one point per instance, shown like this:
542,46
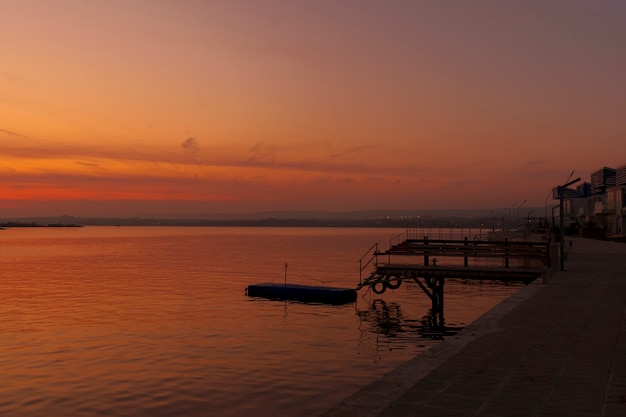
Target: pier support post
436,295
506,252
426,260
465,263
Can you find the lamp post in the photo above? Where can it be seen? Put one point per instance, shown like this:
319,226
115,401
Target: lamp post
496,219
518,207
561,191
509,218
545,215
553,224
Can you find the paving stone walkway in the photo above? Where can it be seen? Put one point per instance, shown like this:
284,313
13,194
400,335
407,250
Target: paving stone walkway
554,349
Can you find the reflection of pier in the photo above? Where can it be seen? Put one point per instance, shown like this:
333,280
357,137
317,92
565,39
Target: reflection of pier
389,320
428,262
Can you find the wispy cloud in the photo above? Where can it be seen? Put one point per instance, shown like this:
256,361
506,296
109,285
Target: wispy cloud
10,133
262,154
360,149
191,145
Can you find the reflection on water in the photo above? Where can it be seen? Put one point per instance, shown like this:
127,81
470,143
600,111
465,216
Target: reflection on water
129,321
389,320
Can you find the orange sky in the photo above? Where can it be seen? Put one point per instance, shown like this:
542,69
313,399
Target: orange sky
157,107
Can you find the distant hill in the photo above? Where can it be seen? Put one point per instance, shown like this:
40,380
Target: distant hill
365,218
369,214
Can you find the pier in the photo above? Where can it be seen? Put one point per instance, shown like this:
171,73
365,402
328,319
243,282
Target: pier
555,348
429,262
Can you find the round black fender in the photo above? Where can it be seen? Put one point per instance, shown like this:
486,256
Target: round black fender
379,287
392,282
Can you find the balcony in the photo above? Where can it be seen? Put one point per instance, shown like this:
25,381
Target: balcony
601,207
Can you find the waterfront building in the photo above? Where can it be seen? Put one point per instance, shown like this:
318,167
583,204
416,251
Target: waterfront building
602,179
620,175
615,209
597,208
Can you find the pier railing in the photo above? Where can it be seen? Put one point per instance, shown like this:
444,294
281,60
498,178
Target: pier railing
523,252
444,247
371,255
426,251
471,233
450,233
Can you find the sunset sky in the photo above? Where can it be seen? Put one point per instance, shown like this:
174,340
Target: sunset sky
163,107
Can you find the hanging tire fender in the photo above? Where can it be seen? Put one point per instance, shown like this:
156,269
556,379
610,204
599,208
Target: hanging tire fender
392,282
379,287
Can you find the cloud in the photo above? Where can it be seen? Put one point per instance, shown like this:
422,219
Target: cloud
10,133
88,164
349,152
191,145
262,154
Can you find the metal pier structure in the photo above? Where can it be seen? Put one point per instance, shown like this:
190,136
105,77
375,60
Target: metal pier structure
428,262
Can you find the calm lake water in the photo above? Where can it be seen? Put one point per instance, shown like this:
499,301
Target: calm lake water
154,321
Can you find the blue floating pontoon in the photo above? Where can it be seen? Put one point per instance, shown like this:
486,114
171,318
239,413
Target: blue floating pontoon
304,293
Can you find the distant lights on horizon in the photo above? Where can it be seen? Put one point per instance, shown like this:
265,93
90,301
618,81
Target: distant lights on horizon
383,217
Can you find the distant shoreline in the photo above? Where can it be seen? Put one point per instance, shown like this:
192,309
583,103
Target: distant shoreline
443,222
11,224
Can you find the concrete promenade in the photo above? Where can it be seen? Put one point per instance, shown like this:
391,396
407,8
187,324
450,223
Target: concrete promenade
554,349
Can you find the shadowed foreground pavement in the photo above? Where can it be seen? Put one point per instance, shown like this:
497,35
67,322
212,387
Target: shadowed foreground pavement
555,349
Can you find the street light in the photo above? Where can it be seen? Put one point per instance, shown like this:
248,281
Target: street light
561,190
509,219
545,214
553,224
496,218
518,207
